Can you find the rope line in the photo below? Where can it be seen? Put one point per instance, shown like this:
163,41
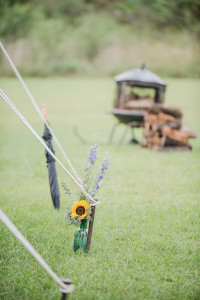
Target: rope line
30,248
39,111
11,105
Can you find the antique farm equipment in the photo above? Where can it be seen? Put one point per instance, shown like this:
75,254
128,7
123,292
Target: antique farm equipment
137,90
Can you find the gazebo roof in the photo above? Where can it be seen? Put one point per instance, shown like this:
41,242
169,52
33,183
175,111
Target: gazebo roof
142,76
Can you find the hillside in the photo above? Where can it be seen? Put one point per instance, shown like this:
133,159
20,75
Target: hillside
97,38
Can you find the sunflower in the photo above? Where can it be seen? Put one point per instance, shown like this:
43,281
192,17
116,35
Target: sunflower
79,209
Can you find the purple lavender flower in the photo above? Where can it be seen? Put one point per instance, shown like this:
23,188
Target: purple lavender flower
103,168
100,176
93,156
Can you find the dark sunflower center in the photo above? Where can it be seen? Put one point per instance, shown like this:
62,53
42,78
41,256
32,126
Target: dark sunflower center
80,210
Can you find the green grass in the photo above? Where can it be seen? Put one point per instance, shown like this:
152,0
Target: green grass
146,237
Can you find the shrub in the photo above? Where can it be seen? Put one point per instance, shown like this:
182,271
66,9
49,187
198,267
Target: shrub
16,20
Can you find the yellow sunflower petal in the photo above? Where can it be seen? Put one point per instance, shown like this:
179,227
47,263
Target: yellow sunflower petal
84,215
82,203
74,207
76,203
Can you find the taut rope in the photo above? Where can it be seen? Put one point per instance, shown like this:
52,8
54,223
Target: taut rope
38,111
11,105
30,248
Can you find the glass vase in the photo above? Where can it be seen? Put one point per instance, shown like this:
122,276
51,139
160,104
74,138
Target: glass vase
80,236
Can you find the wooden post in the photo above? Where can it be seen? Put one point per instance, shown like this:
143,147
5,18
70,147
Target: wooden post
44,111
90,228
64,296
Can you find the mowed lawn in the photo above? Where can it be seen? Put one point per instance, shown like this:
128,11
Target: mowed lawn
146,237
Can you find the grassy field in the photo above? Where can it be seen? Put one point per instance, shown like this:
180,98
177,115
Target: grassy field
146,237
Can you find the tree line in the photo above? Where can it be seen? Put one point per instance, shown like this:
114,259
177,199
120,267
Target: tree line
19,16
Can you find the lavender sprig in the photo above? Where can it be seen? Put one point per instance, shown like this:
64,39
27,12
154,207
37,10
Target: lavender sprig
93,157
100,176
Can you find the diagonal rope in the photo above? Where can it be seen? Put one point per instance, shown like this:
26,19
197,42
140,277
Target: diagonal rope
30,248
39,111
11,105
